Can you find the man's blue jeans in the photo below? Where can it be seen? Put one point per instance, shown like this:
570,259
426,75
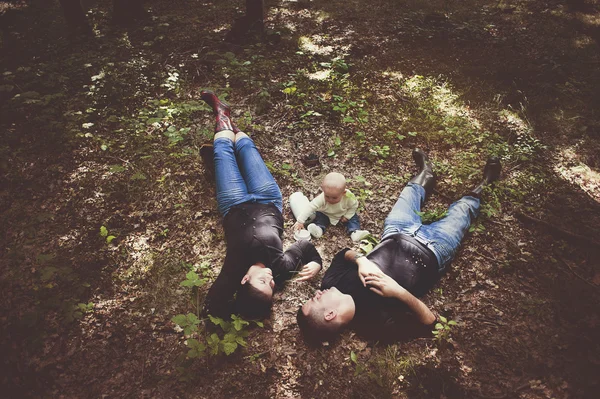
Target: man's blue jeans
322,220
442,237
242,175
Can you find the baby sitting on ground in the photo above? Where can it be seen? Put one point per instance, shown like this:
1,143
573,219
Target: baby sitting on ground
335,204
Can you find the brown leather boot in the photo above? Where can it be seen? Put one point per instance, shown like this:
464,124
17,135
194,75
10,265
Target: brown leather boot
221,110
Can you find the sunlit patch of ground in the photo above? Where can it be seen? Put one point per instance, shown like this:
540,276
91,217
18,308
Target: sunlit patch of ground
12,5
573,170
311,45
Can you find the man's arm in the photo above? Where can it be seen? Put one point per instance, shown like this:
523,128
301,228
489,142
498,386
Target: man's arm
384,285
365,266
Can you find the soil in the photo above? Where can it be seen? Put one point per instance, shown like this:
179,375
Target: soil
83,316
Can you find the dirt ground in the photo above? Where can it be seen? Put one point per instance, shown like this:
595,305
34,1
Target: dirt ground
106,204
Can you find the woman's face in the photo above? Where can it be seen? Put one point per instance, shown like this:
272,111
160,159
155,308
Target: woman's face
262,279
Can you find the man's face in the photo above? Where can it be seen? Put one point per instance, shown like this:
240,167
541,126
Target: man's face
327,300
262,279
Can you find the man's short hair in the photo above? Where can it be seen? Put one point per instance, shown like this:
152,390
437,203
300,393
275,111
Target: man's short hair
315,329
251,303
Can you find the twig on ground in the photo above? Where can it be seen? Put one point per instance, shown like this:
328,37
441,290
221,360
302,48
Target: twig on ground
570,236
497,222
575,273
487,257
508,393
280,121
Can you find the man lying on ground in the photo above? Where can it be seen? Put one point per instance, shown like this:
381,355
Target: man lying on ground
375,292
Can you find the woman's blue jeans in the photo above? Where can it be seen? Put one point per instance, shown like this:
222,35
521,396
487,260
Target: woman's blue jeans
242,176
442,237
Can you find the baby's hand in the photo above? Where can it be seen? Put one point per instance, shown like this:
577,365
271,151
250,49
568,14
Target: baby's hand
298,226
343,219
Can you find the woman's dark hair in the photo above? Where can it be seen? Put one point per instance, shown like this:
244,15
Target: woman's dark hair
252,303
316,330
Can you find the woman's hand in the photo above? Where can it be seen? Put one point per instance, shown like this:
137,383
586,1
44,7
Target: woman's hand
384,285
298,226
308,271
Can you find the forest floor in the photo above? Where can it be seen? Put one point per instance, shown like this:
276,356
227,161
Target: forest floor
106,206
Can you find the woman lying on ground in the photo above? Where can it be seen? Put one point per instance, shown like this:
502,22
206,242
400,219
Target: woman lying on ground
251,204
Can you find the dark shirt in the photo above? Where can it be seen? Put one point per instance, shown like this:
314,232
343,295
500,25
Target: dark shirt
408,262
253,234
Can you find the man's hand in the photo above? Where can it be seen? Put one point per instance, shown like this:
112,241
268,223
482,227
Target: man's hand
384,285
298,226
367,268
308,271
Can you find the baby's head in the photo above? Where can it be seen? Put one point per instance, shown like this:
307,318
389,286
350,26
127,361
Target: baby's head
334,187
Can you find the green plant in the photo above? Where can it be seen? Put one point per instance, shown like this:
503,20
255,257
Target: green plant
358,368
381,152
351,111
336,142
368,243
233,332
362,368
285,170
443,329
476,228
432,215
76,311
104,233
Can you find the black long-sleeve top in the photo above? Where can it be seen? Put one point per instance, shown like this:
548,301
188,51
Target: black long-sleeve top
409,263
253,233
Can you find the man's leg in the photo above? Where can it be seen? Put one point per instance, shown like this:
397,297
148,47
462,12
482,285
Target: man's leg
231,187
403,218
444,236
261,185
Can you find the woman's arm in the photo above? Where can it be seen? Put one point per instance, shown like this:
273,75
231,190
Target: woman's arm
303,256
217,302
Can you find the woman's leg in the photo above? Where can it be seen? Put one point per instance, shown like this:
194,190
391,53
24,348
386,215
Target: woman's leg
231,187
403,218
445,235
261,185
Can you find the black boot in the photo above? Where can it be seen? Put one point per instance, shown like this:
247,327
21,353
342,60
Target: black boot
221,110
426,176
491,173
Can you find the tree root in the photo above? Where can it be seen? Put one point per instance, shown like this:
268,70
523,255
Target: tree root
565,234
